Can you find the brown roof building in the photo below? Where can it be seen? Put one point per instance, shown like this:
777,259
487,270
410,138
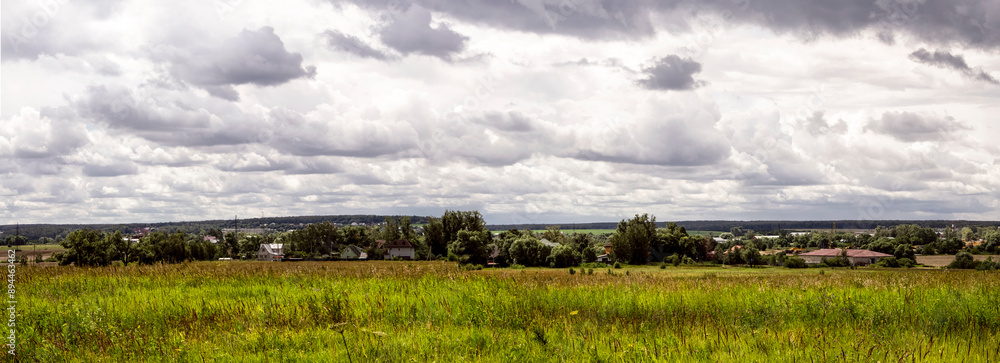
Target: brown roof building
857,257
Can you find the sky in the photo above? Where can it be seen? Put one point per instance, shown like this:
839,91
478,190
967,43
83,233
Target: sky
529,111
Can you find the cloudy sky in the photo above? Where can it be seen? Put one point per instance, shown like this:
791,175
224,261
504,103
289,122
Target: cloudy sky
529,111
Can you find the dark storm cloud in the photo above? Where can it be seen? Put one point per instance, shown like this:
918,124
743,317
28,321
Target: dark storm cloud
912,127
944,59
969,22
253,57
352,44
671,73
411,32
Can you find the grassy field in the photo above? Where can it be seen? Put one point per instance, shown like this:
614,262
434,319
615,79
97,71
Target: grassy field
434,311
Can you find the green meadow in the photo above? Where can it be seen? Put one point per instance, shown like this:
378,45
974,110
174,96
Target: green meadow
434,311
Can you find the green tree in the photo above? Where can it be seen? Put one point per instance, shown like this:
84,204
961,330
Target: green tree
554,235
471,247
435,237
904,251
963,260
86,247
528,251
564,256
121,247
633,238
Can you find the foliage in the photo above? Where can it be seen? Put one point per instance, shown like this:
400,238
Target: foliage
633,238
963,260
86,247
471,247
839,261
795,262
564,256
529,251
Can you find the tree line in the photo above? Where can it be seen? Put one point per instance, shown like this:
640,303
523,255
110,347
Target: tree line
463,236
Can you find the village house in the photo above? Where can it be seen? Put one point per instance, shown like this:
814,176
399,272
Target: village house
399,248
606,257
856,257
353,252
271,252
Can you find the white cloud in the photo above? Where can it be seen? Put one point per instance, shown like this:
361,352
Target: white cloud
528,111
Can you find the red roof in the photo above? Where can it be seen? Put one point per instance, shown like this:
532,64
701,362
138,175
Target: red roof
835,252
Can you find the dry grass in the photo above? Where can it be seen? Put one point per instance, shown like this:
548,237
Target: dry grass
944,260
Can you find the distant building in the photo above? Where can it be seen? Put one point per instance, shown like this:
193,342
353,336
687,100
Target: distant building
856,257
211,239
353,252
549,243
271,252
399,248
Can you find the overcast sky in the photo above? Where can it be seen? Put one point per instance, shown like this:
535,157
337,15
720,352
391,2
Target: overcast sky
530,111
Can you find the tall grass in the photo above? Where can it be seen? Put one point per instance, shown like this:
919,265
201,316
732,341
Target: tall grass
433,311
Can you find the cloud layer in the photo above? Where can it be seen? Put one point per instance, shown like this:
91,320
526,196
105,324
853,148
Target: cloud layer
530,111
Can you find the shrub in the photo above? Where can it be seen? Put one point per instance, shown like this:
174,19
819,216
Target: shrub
472,267
963,260
617,265
590,271
795,262
887,262
988,265
594,265
517,267
906,262
663,266
572,271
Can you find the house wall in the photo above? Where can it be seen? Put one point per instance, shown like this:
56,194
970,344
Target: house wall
812,260
862,261
402,252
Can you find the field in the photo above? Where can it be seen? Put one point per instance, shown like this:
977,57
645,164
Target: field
944,260
434,311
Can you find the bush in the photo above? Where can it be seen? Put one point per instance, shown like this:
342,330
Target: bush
663,266
590,271
887,262
840,261
617,265
988,265
471,267
795,262
963,260
572,271
906,262
517,267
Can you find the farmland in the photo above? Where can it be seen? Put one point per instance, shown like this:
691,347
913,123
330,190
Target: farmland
434,311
